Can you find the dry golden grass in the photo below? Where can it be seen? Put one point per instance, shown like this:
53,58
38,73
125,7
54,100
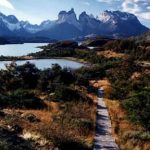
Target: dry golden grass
69,121
27,57
102,83
111,54
76,117
93,107
44,115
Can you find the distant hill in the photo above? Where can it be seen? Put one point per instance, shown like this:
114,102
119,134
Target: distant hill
3,41
21,40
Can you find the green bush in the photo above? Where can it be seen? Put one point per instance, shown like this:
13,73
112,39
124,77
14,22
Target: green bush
21,99
64,93
138,108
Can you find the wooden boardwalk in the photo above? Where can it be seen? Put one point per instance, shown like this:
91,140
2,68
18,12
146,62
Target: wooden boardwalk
103,137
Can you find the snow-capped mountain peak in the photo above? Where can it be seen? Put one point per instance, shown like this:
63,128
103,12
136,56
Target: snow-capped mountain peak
105,16
115,16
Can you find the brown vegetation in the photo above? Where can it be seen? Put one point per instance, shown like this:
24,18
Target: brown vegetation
111,54
56,125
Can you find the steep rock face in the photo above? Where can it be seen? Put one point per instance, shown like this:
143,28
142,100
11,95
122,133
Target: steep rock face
68,17
90,25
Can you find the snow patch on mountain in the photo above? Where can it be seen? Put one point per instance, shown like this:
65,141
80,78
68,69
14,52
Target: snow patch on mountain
47,24
29,27
11,26
115,16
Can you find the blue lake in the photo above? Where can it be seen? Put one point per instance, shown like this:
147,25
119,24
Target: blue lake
24,49
20,49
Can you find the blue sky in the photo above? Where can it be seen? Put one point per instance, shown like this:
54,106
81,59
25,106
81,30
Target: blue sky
36,11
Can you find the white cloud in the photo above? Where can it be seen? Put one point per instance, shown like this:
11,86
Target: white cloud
6,4
141,8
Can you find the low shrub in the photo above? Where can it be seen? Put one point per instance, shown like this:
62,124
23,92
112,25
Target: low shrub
21,99
64,93
138,108
31,118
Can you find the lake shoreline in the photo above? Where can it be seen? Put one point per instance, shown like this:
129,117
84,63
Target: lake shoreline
44,63
22,58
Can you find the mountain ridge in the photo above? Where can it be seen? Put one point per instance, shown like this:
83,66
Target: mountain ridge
67,26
